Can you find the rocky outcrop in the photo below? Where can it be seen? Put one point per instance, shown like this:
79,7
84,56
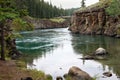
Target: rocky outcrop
95,20
76,73
46,24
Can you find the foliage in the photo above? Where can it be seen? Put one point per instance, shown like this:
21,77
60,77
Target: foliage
114,8
68,78
42,9
10,12
59,20
21,64
38,75
20,25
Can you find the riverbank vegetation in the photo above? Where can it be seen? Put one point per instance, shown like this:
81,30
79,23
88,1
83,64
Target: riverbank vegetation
59,20
14,18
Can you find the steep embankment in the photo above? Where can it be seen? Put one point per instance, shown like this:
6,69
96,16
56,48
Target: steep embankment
49,23
46,24
95,20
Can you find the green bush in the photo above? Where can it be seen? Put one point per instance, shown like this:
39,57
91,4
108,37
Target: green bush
114,8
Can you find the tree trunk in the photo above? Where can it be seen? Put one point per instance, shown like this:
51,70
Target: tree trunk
2,42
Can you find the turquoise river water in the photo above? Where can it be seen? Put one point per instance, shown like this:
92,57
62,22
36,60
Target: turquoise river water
54,51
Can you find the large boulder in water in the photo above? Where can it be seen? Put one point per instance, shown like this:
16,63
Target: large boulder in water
76,73
101,51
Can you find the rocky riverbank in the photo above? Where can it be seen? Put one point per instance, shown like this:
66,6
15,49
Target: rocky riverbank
49,23
16,70
95,20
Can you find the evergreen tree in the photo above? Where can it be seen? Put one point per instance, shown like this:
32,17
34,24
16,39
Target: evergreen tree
42,9
83,3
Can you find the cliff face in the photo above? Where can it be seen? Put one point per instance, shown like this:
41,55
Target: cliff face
46,24
95,21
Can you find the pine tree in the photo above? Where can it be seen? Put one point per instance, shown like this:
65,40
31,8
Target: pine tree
83,3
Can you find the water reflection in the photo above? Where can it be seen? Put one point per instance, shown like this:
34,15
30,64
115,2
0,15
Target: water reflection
87,44
54,51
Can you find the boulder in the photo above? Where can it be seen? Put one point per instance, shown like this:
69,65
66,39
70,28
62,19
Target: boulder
100,51
77,74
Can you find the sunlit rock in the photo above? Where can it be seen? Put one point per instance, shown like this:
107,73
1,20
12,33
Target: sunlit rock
100,51
76,73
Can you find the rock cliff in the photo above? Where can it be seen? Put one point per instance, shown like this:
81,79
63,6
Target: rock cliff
95,20
47,24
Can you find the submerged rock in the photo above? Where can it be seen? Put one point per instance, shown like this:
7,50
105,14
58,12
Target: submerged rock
77,74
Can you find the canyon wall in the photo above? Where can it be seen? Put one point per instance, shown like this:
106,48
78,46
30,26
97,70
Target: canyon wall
48,24
95,21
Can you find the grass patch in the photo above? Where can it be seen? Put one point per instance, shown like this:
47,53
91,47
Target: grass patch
58,20
35,74
100,4
20,64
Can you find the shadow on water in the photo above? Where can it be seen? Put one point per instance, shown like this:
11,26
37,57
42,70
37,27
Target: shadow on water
87,44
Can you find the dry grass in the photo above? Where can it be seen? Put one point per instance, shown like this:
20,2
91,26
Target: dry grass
15,70
97,5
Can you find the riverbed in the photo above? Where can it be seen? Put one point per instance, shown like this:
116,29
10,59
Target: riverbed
54,51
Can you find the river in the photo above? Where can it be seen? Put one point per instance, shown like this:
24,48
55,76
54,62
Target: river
54,51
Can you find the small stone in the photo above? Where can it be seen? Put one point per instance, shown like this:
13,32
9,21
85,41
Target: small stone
108,74
59,78
65,75
27,78
60,68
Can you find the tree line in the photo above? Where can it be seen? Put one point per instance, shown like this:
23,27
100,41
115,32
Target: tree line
42,9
